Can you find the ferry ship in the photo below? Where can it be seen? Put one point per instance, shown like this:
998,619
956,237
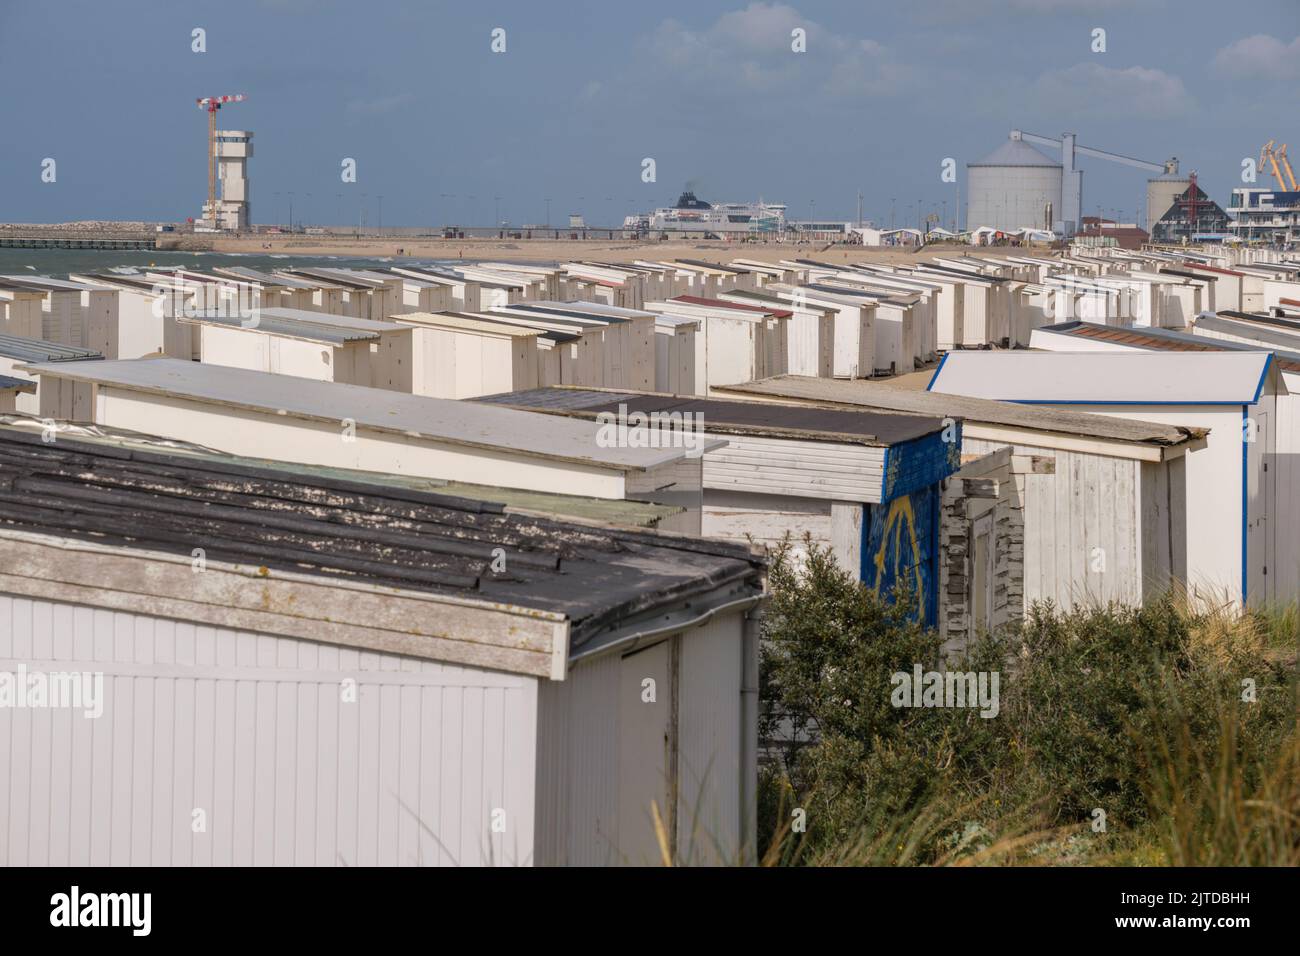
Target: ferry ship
694,214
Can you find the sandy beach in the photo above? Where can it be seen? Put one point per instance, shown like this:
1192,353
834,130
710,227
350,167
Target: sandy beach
480,248
551,250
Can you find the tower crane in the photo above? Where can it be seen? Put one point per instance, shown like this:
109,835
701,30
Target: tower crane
1280,165
1072,178
212,104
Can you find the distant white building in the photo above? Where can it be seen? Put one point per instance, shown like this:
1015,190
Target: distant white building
1264,214
888,237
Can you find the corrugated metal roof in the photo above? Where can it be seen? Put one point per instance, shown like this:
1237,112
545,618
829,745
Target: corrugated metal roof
587,308
324,318
547,329
574,311
720,304
864,394
337,277
10,384
1105,378
136,282
501,430
445,320
1254,318
286,328
309,524
24,349
264,278
1169,340
46,284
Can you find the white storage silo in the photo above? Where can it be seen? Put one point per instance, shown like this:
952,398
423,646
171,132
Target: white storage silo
1013,187
1162,192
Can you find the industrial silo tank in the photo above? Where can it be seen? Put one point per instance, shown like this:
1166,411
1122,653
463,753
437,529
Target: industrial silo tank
1012,188
1161,194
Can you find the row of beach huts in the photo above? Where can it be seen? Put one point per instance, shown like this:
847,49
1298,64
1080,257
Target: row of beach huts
432,564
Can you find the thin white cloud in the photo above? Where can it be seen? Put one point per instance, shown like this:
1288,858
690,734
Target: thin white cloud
1260,56
1088,89
751,50
1073,6
949,11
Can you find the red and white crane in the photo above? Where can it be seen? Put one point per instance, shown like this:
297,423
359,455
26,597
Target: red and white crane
212,104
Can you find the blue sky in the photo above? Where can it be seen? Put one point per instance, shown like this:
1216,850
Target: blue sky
586,90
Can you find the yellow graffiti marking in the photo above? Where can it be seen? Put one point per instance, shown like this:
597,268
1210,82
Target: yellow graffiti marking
900,514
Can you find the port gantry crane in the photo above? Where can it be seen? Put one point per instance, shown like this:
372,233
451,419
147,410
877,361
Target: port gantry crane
1276,160
212,104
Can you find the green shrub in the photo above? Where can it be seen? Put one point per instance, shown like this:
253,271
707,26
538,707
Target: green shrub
1136,712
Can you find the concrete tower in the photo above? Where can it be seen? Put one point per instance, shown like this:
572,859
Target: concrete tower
233,150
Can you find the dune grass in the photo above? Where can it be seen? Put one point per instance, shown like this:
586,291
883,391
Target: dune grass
1161,735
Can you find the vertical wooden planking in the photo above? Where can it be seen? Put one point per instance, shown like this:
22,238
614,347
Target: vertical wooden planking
388,745
349,751
368,782
328,775
473,812
1096,534
38,773
285,801
102,736
303,786
122,761
1127,504
519,767
1060,515
182,729
265,709
408,784
216,779
81,778
428,810
244,757
496,840
709,732
450,800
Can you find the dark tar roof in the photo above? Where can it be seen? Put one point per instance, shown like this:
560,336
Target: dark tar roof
721,416
352,530
879,396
